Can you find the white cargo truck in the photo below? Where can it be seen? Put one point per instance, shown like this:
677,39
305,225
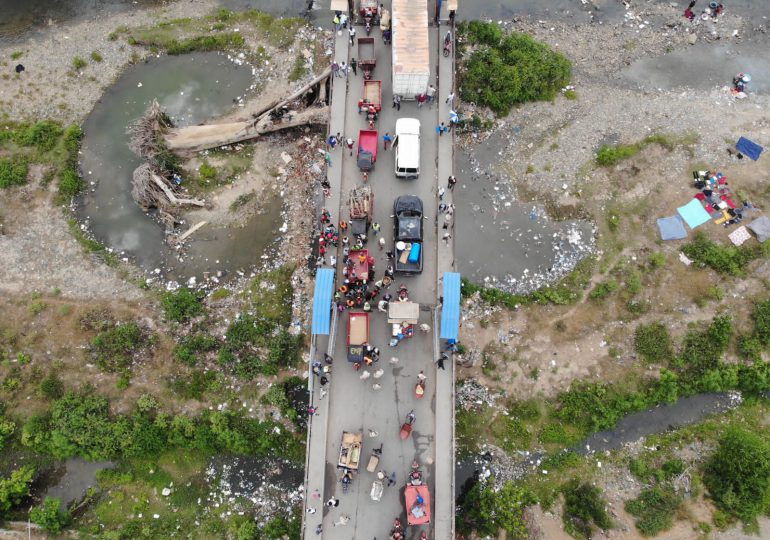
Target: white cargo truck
411,50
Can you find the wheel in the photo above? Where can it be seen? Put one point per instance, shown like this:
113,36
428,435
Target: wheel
446,51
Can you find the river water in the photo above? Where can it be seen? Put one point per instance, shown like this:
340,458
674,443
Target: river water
191,88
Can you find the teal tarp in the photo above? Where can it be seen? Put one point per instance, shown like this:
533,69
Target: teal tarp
450,309
322,301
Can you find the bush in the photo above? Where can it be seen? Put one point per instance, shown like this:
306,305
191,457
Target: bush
52,387
195,385
761,317
13,172
50,515
611,155
738,474
207,171
583,508
70,184
702,350
728,260
14,488
218,42
482,33
515,70
7,428
43,135
654,509
485,510
78,63
750,348
182,305
653,342
604,289
114,349
186,351
96,57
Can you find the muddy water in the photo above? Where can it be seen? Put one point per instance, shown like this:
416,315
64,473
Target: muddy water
79,475
501,241
704,66
191,88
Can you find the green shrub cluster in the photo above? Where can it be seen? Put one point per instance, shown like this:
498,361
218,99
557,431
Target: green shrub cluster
196,384
188,349
114,349
653,342
486,510
80,424
183,304
604,289
247,336
217,42
654,509
13,172
14,488
507,70
52,387
584,509
50,516
207,171
612,155
702,350
738,474
729,260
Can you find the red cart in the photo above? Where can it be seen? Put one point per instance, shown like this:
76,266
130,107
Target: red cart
367,149
372,96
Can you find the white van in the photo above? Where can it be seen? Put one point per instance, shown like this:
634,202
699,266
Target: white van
407,147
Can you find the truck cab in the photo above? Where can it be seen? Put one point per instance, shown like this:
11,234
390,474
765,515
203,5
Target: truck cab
407,147
408,234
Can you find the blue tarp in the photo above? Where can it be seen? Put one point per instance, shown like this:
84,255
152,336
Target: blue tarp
450,310
693,213
749,148
322,301
671,228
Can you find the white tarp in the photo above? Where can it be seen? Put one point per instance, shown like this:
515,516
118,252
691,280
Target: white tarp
403,312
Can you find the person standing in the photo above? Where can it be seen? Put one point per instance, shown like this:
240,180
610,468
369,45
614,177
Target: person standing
344,20
429,94
382,243
336,21
450,99
352,33
354,66
440,129
441,192
452,181
421,98
335,68
441,360
349,143
332,141
397,101
375,228
386,140
343,71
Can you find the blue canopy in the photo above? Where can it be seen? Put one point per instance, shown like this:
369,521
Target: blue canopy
750,148
322,301
450,310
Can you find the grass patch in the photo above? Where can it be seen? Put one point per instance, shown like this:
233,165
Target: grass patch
96,56
728,260
653,342
79,63
183,304
654,509
13,172
503,71
16,55
114,349
570,95
241,201
612,155
90,245
298,70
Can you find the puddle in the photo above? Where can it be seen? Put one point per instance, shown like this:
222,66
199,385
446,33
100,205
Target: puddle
79,475
503,242
704,66
191,88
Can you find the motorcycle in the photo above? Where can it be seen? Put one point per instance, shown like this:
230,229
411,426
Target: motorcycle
406,428
368,24
419,389
346,480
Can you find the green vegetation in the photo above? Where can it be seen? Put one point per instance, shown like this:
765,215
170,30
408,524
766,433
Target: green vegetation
80,424
14,488
702,350
654,509
298,70
52,387
612,155
91,245
584,508
183,304
7,428
567,291
79,63
503,71
738,475
196,384
114,349
50,516
206,171
16,55
729,260
188,349
604,289
485,510
653,342
13,172
96,57
570,95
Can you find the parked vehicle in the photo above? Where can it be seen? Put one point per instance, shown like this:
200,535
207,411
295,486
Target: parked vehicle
367,149
408,234
402,316
358,335
417,500
411,48
361,210
366,57
372,96
350,451
406,145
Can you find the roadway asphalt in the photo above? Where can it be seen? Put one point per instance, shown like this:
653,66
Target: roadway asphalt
353,404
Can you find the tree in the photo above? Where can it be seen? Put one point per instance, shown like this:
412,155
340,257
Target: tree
50,515
15,488
738,474
583,508
486,510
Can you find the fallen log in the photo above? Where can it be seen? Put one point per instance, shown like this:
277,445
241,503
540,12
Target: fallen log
173,199
185,235
279,102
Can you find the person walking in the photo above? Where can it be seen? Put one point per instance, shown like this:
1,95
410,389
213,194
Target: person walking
392,479
343,71
429,93
349,143
451,181
397,101
328,159
343,21
450,99
335,68
333,502
421,98
375,228
441,359
440,129
352,34
354,66
382,243
386,140
447,220
441,192
446,238
332,141
336,21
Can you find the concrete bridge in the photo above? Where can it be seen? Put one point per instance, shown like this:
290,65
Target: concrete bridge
348,403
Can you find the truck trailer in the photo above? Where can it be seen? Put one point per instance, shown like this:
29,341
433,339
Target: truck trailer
411,49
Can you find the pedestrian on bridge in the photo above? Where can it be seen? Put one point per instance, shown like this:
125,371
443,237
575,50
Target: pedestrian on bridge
375,228
450,99
386,140
352,32
333,502
429,93
452,181
397,101
343,73
335,68
354,66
